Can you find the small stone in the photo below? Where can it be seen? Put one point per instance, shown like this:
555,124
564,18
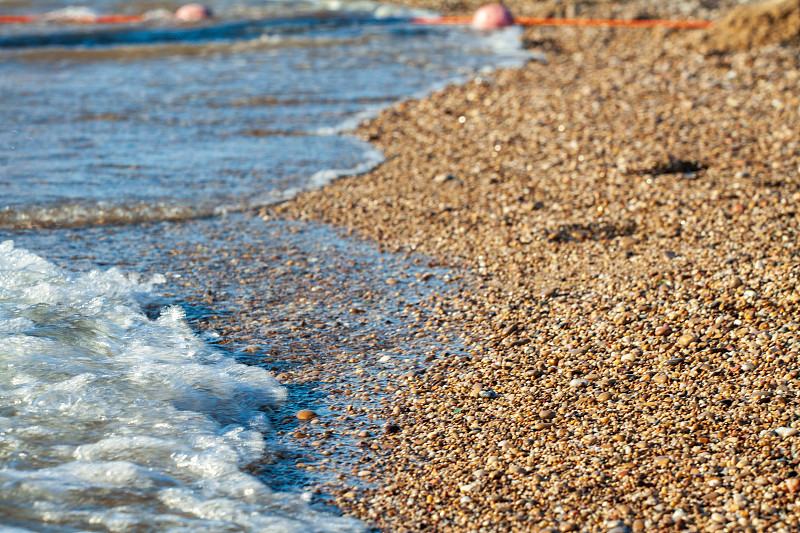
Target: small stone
674,362
488,394
793,484
686,339
663,331
547,414
391,429
543,425
516,469
736,281
549,293
364,473
306,414
787,432
763,396
441,178
510,329
660,378
604,397
662,460
567,526
578,383
638,525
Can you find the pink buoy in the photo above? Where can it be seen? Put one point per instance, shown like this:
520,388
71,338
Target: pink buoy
491,17
193,13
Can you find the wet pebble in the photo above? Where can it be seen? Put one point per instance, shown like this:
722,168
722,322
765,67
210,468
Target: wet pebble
391,429
306,414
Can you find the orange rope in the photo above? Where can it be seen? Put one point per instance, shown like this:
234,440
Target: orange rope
16,19
117,19
605,23
100,19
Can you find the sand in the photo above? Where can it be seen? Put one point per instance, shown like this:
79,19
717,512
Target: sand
626,218
757,24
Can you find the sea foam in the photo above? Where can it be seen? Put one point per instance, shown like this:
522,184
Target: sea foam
112,420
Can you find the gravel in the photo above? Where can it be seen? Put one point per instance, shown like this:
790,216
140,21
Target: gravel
628,210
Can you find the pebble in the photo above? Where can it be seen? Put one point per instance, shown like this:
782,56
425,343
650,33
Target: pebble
549,293
787,431
578,383
662,460
547,414
391,429
663,331
793,484
306,414
604,396
488,394
686,339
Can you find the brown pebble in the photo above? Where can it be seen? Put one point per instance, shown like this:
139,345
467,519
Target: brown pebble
638,525
306,414
391,429
686,339
793,484
604,397
662,460
547,414
663,331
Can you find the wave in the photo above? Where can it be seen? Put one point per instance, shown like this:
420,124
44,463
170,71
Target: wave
112,419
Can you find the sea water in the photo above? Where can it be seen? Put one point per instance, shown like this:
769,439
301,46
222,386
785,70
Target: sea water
114,417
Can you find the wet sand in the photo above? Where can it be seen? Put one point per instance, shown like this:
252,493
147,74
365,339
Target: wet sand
626,219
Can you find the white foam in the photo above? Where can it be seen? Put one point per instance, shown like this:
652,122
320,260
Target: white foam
109,419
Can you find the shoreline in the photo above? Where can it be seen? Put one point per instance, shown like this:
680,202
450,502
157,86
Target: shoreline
625,213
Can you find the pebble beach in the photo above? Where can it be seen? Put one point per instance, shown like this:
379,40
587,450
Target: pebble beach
620,226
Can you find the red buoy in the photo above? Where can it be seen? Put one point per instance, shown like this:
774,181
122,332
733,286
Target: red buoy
193,13
491,17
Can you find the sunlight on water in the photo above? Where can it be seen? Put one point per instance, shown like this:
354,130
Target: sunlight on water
119,124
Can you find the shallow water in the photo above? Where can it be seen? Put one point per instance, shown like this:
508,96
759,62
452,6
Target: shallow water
107,123
117,410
